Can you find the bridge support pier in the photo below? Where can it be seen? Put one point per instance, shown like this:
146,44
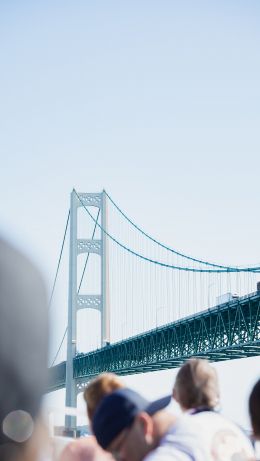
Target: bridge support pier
75,300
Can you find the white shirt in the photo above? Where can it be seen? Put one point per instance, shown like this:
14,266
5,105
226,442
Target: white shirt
205,436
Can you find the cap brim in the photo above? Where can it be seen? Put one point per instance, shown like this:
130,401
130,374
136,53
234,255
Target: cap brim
158,405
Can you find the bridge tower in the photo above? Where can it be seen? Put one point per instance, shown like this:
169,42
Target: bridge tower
76,301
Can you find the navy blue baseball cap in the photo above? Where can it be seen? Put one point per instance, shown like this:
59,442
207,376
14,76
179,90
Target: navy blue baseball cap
118,410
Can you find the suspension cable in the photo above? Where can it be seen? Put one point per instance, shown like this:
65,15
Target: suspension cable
172,250
59,347
61,251
86,262
180,268
87,258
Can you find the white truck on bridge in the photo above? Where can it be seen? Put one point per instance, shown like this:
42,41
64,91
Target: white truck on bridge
226,297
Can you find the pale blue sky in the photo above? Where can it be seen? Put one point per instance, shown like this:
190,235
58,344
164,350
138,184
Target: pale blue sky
158,102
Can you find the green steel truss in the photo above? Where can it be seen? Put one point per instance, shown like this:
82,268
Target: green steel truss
228,331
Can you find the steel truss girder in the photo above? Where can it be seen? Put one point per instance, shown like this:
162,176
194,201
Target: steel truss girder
222,333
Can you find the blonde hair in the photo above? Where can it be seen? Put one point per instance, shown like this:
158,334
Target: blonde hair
98,388
196,385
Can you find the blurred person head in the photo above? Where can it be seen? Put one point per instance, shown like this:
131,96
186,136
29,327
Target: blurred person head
98,388
23,354
254,409
129,426
196,385
85,449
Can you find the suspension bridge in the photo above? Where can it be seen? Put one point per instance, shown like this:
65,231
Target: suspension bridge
147,306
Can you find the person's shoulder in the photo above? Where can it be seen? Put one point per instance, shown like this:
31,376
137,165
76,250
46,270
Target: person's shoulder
168,450
162,455
85,449
215,420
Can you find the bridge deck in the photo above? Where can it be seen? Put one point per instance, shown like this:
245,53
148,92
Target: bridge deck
228,331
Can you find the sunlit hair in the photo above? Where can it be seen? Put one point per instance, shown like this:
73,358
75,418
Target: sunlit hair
254,409
98,388
196,385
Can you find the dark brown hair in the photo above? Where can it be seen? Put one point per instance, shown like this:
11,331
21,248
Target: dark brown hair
254,408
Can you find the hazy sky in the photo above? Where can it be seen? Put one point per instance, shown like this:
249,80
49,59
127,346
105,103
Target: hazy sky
158,102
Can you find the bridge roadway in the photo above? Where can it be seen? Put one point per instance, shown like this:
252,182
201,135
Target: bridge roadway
227,331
